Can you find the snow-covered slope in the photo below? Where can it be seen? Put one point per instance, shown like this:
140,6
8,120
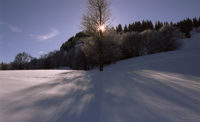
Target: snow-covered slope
155,88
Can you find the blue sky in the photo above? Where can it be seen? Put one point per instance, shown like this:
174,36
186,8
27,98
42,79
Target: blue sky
41,26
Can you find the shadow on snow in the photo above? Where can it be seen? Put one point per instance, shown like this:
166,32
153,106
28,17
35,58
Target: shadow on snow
145,95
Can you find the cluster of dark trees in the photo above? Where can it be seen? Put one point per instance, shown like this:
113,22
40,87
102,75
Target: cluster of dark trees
4,66
136,26
79,52
51,60
185,26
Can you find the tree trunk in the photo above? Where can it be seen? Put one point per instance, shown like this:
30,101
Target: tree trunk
101,56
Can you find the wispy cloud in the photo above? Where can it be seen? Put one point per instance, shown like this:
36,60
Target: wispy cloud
47,36
12,27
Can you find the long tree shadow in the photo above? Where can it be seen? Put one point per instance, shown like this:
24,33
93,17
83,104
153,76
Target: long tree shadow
140,96
71,96
80,96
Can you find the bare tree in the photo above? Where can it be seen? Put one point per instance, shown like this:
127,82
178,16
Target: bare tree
21,60
95,20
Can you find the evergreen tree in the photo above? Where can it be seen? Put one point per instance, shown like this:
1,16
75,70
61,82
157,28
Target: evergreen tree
144,25
130,27
158,25
147,25
195,22
189,24
125,29
138,26
199,22
119,28
186,27
166,23
150,25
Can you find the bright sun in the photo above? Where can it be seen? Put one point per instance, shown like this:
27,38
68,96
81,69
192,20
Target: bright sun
101,27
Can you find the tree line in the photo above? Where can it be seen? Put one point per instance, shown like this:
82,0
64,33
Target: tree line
185,26
76,54
140,38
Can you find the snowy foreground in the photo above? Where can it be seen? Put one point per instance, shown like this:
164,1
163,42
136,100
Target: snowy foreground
154,88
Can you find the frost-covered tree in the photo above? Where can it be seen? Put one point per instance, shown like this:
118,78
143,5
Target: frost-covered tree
96,18
150,39
166,39
112,51
169,38
78,59
132,45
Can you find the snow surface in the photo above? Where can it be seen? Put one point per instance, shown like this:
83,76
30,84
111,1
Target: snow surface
155,88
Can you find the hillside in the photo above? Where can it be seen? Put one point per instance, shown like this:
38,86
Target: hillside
159,87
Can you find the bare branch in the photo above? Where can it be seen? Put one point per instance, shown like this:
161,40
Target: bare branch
96,15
